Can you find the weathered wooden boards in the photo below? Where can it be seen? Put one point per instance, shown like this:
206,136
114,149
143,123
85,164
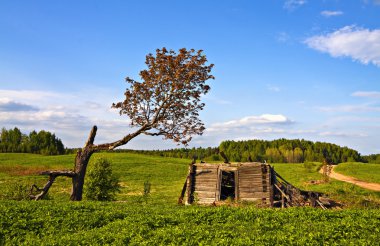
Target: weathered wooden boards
206,188
252,182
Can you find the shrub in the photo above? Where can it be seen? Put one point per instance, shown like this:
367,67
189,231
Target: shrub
16,191
312,166
147,186
101,183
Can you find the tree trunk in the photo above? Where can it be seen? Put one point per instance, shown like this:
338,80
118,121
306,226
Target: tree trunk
81,161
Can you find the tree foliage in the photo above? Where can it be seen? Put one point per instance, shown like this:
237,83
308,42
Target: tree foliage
374,158
43,142
167,101
276,151
290,151
102,183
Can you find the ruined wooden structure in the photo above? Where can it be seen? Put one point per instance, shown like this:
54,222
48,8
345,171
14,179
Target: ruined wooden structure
211,184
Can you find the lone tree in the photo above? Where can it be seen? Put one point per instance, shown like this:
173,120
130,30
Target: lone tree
165,103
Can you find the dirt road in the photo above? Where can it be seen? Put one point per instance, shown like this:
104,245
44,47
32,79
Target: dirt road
352,180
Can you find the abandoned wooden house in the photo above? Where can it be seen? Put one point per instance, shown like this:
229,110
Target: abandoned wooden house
257,182
210,183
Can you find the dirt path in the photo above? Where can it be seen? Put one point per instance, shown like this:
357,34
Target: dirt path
352,180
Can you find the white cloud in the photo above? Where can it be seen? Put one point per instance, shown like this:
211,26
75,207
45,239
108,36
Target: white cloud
342,134
7,105
250,121
92,105
360,44
351,108
283,37
357,120
216,100
327,13
273,88
28,95
293,4
70,116
368,94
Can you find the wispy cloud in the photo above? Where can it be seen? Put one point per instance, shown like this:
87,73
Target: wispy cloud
283,37
217,100
251,122
367,94
328,13
357,120
360,44
28,95
342,134
92,105
273,88
375,2
6,105
70,116
293,4
351,108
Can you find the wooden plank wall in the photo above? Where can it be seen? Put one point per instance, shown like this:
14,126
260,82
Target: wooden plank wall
254,183
206,187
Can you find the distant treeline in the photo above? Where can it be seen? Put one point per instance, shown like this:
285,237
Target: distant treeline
375,158
288,151
43,142
210,153
276,151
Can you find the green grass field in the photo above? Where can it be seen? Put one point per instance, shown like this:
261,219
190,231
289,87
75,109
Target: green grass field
363,171
107,223
134,220
166,175
348,194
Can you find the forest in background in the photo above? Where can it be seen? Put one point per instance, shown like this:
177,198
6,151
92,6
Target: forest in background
275,151
42,142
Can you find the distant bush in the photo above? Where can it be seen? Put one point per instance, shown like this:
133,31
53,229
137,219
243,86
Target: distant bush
312,166
101,183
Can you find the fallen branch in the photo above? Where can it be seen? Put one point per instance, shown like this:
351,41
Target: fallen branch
52,176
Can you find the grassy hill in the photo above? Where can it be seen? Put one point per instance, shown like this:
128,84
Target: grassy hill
159,220
167,176
363,171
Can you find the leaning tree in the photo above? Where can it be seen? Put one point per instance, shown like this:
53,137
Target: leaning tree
165,103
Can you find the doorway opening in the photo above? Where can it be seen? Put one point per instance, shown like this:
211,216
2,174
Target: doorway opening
227,185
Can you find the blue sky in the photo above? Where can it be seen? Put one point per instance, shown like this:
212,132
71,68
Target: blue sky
284,68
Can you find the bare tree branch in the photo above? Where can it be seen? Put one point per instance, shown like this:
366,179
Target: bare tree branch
52,176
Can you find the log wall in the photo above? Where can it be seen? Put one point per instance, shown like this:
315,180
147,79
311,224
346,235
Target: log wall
206,187
252,182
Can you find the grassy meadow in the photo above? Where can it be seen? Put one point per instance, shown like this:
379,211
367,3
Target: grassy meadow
363,171
166,175
136,220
